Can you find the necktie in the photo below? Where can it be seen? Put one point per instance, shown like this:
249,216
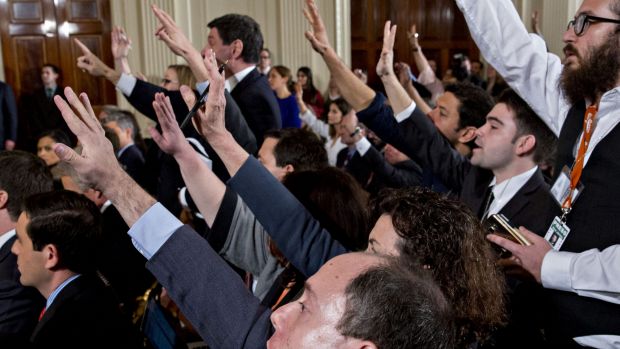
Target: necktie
42,313
487,206
49,92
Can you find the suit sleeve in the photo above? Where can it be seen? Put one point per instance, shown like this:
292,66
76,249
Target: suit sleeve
419,139
143,95
299,236
209,293
9,113
393,176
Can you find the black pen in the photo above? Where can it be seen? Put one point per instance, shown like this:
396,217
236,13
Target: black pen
201,100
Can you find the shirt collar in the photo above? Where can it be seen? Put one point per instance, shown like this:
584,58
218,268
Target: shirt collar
506,190
240,75
55,293
6,237
122,150
105,206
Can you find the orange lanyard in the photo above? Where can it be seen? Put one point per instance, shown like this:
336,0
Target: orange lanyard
575,173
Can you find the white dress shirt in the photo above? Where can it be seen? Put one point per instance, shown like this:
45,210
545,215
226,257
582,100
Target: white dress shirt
6,237
506,190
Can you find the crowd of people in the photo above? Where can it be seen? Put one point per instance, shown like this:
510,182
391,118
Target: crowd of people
469,209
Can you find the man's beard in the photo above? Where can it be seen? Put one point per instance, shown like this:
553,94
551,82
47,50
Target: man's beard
597,74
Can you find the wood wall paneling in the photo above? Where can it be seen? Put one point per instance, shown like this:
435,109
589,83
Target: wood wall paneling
442,28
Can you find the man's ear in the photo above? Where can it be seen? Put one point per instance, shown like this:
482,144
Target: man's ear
467,134
367,345
288,168
237,48
50,252
4,199
525,145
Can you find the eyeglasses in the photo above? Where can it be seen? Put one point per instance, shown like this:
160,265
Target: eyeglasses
581,22
168,81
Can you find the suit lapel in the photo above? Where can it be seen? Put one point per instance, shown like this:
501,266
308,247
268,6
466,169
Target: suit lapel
521,199
248,80
67,293
5,251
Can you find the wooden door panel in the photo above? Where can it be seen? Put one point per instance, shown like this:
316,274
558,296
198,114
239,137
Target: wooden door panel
35,32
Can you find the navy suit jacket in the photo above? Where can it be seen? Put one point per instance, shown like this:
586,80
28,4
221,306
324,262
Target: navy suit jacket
84,315
40,114
19,306
132,161
258,104
417,137
8,114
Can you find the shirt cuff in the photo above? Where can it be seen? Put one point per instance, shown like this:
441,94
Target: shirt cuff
126,84
202,86
153,229
404,115
362,146
556,270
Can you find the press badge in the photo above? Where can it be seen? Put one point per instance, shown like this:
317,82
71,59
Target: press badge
561,187
557,233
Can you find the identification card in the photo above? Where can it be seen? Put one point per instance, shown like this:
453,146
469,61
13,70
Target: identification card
561,187
557,233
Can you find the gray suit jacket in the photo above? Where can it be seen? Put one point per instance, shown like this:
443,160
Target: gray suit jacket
210,293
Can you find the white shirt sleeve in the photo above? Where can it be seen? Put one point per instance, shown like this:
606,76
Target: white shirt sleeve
405,114
591,273
318,126
362,146
126,84
153,229
521,58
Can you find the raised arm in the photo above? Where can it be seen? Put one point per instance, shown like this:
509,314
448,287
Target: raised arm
214,299
170,33
533,73
121,44
352,89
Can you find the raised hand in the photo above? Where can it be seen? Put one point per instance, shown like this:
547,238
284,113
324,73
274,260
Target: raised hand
528,257
412,35
385,66
89,62
403,72
318,35
97,166
170,33
171,139
121,43
209,120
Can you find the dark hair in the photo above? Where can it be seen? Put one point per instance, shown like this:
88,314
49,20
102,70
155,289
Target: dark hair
479,62
343,105
54,68
395,305
22,174
233,27
298,147
69,221
528,123
310,83
475,103
335,199
266,50
445,236
59,136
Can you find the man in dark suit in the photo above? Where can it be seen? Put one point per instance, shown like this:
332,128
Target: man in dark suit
129,155
237,41
8,117
39,113
216,301
57,236
21,175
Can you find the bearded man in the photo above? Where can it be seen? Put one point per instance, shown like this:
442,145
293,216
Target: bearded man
579,99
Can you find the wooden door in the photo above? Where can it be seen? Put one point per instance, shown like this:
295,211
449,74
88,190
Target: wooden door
442,28
35,32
